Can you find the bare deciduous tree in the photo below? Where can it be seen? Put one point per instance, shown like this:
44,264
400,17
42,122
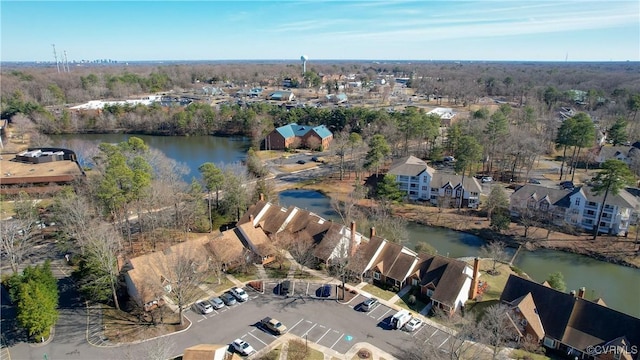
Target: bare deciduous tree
494,250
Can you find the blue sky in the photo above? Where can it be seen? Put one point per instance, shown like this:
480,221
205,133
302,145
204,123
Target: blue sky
541,30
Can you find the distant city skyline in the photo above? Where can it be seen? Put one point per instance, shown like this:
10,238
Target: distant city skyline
511,30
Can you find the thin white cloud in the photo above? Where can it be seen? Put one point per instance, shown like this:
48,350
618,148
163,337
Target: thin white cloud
540,20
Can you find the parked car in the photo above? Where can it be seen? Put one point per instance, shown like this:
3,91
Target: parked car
203,307
486,179
400,319
285,287
315,159
216,302
301,162
533,181
413,324
228,299
273,325
242,347
567,185
369,304
325,290
239,294
449,159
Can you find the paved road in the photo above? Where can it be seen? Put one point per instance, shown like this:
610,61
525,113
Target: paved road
326,322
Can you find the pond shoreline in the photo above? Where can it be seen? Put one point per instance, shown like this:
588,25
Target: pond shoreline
468,221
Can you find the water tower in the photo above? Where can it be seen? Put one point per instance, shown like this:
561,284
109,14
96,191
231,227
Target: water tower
304,59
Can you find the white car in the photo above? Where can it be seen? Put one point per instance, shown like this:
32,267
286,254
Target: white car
240,294
204,307
413,324
487,179
242,347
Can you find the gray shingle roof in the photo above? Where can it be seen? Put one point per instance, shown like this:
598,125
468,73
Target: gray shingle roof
470,183
410,166
576,322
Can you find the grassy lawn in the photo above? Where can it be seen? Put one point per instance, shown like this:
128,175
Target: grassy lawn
520,354
250,274
299,350
496,284
278,270
297,167
271,355
303,275
122,327
416,307
6,209
212,282
378,292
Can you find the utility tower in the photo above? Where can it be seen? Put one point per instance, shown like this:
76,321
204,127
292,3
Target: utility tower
55,56
66,62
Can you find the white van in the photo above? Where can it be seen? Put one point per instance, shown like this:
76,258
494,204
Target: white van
400,319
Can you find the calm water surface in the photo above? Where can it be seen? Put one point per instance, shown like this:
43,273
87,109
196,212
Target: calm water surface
192,151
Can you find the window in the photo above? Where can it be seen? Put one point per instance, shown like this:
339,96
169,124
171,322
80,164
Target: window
448,192
414,282
577,201
429,292
376,275
544,206
591,203
458,193
550,343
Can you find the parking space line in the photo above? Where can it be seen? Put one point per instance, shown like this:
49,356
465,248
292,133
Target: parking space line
383,315
308,284
339,338
255,337
296,324
445,340
417,331
307,332
430,336
317,341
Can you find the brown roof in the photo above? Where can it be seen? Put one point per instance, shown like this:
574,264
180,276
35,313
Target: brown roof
253,210
402,265
227,247
329,242
203,351
387,257
365,253
527,308
446,274
274,217
147,271
254,238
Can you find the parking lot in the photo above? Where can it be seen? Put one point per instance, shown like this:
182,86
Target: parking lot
315,319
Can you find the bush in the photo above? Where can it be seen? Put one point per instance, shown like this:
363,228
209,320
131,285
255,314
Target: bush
517,270
412,299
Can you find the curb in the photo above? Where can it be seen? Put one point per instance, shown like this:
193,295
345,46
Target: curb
52,332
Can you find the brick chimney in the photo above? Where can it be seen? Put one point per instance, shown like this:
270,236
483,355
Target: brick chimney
473,291
372,232
261,197
572,293
251,219
581,292
352,244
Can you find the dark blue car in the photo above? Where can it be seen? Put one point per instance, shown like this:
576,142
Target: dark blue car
325,291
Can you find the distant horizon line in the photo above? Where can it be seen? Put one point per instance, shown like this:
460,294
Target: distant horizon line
113,61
